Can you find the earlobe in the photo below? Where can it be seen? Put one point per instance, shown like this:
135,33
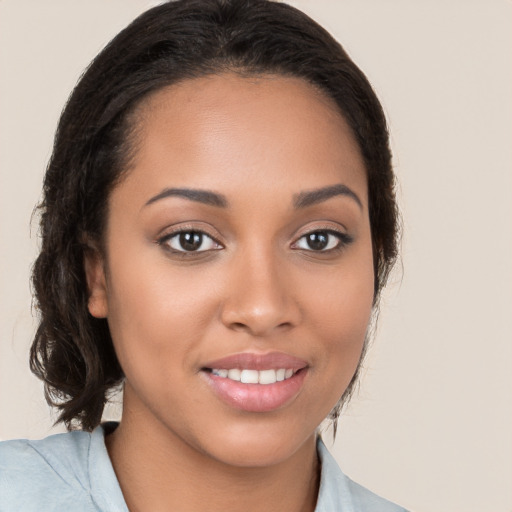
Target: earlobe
96,284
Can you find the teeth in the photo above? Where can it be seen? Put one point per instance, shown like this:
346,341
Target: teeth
255,376
249,376
267,377
234,374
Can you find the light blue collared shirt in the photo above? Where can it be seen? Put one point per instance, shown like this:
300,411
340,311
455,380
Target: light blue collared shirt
73,472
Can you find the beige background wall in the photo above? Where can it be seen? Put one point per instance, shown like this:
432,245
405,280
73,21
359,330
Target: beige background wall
432,425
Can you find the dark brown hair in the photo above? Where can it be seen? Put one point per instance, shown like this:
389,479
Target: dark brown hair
72,352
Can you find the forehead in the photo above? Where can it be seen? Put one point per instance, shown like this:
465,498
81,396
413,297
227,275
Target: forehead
236,130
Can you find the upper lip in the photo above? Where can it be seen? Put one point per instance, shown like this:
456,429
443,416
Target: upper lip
255,361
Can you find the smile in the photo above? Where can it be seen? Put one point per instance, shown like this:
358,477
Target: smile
256,382
247,376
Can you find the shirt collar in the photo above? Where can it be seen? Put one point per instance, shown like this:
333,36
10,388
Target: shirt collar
105,489
334,492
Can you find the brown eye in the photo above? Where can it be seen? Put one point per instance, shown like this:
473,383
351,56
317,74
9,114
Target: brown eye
317,241
191,241
323,241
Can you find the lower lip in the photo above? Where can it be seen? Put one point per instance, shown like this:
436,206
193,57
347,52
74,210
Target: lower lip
257,397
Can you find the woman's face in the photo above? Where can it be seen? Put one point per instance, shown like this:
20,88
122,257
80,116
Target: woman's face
238,246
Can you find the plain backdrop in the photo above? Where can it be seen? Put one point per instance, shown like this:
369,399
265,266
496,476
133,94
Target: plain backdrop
431,426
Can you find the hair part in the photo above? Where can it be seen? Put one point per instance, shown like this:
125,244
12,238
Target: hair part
96,137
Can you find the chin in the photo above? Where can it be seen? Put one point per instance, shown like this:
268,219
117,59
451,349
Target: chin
252,445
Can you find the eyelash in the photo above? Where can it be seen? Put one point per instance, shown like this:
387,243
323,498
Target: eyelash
343,240
166,242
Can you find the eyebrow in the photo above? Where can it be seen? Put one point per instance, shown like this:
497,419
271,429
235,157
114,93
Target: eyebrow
201,196
312,197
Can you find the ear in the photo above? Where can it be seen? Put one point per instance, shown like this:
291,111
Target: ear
96,283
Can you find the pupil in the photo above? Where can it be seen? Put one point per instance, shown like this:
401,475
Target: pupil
191,241
318,241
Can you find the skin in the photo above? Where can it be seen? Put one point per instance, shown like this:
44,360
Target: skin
260,142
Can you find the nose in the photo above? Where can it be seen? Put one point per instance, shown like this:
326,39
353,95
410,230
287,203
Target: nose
260,297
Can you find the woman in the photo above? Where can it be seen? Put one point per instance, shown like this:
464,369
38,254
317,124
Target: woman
218,222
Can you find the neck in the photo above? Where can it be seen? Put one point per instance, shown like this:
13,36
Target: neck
158,471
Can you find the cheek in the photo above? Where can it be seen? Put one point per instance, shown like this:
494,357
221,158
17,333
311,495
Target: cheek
343,325
341,307
156,315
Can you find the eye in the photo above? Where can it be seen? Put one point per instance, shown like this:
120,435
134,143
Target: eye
190,241
322,241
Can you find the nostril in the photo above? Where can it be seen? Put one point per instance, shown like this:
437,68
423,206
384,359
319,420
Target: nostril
258,316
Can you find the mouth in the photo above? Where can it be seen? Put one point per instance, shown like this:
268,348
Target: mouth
255,382
247,376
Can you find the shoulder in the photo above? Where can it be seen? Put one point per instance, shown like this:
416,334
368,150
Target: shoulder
338,492
45,474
